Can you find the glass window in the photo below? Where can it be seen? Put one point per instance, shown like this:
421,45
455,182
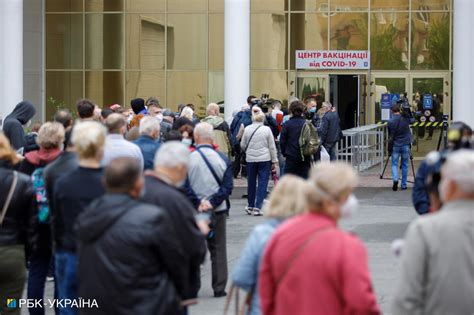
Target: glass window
104,5
308,32
386,85
349,31
63,89
104,87
216,86
145,41
187,41
145,84
389,40
216,41
312,87
145,5
389,5
216,5
63,5
187,88
430,41
269,45
309,5
187,5
349,5
274,83
64,41
268,5
431,4
104,41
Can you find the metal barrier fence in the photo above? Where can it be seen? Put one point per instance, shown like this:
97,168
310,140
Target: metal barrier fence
363,147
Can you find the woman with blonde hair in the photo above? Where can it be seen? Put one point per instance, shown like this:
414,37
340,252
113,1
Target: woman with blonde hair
17,221
310,266
289,198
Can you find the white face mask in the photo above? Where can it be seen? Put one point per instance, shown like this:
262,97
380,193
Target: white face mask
349,208
187,141
159,117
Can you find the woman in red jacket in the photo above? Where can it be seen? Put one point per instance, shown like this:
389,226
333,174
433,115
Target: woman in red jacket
312,267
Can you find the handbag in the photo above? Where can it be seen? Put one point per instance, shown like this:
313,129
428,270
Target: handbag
391,139
9,197
243,155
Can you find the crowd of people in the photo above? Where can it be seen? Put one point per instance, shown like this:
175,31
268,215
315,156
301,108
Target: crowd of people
120,206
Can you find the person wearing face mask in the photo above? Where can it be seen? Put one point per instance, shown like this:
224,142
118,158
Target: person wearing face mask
186,132
163,189
14,123
329,130
129,256
311,266
437,268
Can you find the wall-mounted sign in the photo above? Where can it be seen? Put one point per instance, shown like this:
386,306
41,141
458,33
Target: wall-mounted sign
386,102
333,59
427,101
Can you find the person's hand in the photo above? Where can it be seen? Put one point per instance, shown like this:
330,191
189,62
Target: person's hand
205,206
274,166
203,226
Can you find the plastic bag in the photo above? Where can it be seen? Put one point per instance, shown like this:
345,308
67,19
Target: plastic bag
324,154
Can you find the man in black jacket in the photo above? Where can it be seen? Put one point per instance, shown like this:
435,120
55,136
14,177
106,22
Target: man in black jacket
13,124
289,142
130,257
329,131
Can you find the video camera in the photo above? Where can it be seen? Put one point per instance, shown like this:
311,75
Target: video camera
405,107
263,102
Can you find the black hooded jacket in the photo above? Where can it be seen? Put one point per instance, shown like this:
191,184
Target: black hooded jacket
13,125
129,258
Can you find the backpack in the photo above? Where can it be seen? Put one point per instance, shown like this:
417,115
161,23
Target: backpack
308,141
42,202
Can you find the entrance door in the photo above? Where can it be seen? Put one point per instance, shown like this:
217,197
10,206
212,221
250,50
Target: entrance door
314,85
345,95
382,85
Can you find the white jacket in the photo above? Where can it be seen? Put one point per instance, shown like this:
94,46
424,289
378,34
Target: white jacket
262,145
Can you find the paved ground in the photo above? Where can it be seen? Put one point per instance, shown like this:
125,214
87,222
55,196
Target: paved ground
383,217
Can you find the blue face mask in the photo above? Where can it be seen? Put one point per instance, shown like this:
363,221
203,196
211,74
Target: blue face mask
312,110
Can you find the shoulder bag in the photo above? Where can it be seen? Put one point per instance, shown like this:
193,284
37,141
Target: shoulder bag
9,197
243,155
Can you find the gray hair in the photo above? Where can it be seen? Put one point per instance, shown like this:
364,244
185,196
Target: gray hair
148,125
327,105
459,168
212,107
204,130
172,154
88,138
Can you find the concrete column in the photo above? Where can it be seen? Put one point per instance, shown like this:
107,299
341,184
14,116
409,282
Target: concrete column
11,55
236,54
463,65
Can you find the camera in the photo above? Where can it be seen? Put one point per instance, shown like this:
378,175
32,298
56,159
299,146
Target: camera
263,102
405,108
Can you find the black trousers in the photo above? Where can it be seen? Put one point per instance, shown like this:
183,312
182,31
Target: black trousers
298,168
236,163
217,246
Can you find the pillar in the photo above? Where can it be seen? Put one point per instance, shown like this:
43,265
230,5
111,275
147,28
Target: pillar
11,55
236,55
463,65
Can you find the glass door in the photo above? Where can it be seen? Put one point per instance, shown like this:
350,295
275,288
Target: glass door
312,84
383,84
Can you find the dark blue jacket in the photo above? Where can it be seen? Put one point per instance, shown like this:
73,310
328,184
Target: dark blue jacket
148,146
242,117
399,130
329,129
289,138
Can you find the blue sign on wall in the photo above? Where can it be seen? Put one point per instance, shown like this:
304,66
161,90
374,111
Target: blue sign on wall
427,101
386,103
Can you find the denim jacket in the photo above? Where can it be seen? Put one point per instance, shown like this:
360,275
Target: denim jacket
245,274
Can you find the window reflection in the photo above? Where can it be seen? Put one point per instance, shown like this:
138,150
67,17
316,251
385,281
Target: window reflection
216,41
309,5
63,5
63,89
145,41
430,40
308,32
104,5
268,41
187,87
349,5
187,5
104,87
145,84
348,31
389,5
63,50
431,4
145,5
104,41
268,5
274,83
187,41
389,40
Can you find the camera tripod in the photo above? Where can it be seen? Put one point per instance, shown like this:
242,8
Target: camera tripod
412,166
443,135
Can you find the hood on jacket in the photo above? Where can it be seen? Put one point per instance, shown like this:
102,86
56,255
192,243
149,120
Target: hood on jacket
42,156
101,215
215,121
23,112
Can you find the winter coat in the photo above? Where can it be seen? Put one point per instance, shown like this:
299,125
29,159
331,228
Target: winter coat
20,221
13,124
329,130
262,146
290,138
222,135
129,257
181,212
399,129
437,268
245,274
148,146
329,276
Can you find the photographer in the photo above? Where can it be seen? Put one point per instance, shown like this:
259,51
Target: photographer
399,144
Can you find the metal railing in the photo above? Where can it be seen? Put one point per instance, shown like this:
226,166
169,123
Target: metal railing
363,147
